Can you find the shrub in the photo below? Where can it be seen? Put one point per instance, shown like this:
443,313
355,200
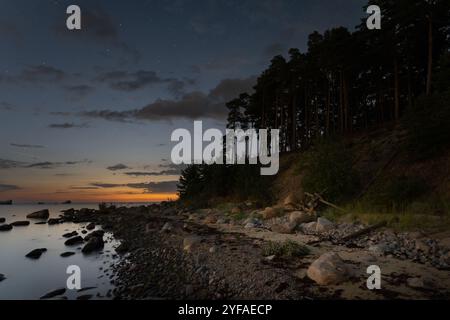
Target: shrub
329,171
286,249
396,193
428,124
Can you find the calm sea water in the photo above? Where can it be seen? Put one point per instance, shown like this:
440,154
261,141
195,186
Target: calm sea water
31,279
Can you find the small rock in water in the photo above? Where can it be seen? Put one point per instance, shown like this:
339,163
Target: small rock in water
42,214
70,234
53,294
20,223
36,253
52,222
90,226
5,227
2,277
74,241
2,220
67,254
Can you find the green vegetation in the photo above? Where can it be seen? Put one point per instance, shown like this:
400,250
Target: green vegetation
344,83
286,249
329,171
201,185
431,213
396,193
428,124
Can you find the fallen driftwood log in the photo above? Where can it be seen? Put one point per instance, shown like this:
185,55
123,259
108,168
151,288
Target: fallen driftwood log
317,197
351,236
364,231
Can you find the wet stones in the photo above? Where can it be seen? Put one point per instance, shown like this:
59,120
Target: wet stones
53,294
20,223
73,241
42,214
36,253
94,244
6,227
70,234
67,254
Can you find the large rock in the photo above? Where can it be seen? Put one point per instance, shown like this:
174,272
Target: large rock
328,269
36,253
42,214
299,217
73,241
94,234
271,212
94,244
5,227
324,225
424,282
309,227
284,228
20,223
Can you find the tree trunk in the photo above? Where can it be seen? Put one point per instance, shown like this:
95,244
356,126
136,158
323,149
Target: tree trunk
396,92
430,55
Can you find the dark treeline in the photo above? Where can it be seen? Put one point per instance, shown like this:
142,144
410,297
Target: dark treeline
345,81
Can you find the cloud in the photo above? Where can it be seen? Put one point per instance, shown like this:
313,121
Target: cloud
192,105
9,164
31,146
85,188
67,125
118,167
6,105
8,187
79,90
172,172
41,73
149,187
131,81
52,165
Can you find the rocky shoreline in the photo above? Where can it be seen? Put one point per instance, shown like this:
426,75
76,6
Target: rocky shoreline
170,252
245,252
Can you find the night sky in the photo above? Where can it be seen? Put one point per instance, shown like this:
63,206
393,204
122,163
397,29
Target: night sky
87,115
